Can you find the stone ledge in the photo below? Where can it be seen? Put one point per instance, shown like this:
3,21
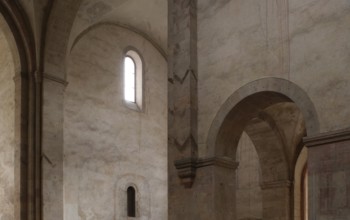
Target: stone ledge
217,161
186,170
327,138
186,167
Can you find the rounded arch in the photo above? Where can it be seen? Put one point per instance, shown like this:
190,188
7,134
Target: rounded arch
246,102
20,37
119,25
142,194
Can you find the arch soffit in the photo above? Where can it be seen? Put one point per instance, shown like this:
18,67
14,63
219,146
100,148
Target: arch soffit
123,26
279,90
269,146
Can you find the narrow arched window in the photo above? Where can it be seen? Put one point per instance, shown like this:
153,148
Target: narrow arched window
133,68
131,203
129,79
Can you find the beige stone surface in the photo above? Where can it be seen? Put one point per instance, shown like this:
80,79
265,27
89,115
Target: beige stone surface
108,146
320,57
94,146
7,135
146,17
235,47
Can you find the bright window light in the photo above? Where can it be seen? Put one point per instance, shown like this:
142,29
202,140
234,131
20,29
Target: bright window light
129,80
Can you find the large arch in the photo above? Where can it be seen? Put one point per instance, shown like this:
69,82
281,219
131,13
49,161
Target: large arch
246,102
249,109
27,182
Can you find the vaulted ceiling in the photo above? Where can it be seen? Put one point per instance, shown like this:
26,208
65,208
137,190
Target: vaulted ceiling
148,18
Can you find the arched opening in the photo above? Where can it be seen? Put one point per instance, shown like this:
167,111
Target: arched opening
275,125
133,80
274,133
131,201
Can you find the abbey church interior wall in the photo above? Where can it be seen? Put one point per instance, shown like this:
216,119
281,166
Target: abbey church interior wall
276,70
303,42
242,41
108,146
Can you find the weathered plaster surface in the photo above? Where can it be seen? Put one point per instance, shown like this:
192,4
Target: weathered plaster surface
7,123
107,145
237,45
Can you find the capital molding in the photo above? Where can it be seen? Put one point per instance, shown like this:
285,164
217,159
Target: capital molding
186,168
224,162
327,138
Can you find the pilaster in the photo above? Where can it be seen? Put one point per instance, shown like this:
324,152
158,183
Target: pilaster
52,147
182,105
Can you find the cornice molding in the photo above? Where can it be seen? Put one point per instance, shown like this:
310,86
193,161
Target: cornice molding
187,167
327,138
225,162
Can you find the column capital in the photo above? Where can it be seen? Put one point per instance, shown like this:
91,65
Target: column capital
225,162
186,168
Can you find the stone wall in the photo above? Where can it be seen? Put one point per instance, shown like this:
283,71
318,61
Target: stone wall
108,146
305,42
328,175
7,123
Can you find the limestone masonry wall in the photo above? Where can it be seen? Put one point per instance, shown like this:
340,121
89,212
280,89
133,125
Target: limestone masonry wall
107,145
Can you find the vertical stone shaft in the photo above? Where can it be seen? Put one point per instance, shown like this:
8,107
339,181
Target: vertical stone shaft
52,148
183,76
183,85
182,102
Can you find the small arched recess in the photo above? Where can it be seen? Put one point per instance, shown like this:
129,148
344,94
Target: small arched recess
142,197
